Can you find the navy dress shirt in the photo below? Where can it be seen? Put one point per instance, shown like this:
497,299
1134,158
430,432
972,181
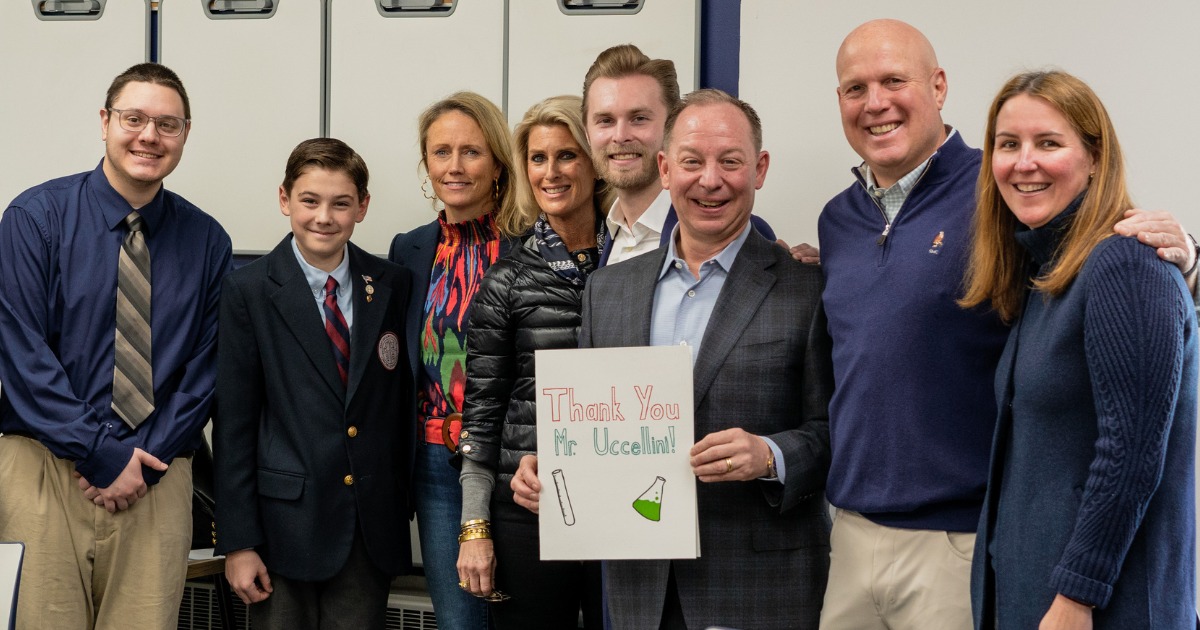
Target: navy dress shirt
59,245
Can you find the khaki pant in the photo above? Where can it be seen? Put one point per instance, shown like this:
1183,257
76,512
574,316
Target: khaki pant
885,578
85,568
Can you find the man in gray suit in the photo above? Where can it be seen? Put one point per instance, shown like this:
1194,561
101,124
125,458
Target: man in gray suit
762,378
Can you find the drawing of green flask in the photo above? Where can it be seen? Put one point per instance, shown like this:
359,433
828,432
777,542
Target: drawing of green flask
649,504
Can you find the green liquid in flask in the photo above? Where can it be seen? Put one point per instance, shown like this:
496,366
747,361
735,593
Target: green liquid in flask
652,510
649,505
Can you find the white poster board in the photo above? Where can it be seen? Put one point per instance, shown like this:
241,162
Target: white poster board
10,578
613,443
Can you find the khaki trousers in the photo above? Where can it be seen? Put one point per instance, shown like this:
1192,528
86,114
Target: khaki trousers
85,568
887,578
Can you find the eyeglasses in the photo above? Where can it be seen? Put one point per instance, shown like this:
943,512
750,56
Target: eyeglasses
495,597
133,120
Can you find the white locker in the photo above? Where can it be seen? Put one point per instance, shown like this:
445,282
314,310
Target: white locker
55,74
384,70
255,87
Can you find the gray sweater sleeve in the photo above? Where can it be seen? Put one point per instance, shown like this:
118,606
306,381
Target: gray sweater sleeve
477,481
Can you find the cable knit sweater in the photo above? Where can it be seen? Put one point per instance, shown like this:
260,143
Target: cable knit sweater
1091,490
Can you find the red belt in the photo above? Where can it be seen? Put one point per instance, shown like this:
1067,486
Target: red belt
444,430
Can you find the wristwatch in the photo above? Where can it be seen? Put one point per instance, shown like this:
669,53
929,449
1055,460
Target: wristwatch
772,472
1196,260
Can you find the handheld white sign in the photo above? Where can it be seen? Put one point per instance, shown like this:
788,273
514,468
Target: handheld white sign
613,442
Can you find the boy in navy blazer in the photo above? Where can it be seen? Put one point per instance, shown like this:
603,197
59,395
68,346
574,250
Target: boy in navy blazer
312,460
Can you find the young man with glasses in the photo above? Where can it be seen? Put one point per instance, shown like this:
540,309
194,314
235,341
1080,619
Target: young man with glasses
108,329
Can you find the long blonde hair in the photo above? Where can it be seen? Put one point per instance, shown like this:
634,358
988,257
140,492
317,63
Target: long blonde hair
998,267
495,130
557,110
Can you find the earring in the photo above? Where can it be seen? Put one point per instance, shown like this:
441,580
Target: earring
428,195
1091,175
496,189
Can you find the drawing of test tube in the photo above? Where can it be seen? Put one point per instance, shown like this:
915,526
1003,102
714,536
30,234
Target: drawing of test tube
564,499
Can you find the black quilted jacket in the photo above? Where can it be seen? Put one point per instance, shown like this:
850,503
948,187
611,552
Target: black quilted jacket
521,306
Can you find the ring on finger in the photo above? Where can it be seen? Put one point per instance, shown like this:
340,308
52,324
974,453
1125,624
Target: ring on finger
465,585
728,465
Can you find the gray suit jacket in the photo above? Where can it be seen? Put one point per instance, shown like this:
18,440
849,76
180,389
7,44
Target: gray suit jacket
764,366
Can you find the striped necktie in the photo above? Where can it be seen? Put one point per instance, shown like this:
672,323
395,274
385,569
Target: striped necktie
133,377
336,328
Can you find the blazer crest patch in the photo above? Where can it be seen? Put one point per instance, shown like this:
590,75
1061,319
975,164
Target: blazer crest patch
388,350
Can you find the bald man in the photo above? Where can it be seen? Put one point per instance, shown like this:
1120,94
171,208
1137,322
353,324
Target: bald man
913,411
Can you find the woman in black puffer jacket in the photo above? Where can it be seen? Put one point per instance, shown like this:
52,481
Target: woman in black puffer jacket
528,301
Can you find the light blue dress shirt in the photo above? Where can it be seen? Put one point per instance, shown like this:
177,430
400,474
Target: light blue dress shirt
316,281
683,304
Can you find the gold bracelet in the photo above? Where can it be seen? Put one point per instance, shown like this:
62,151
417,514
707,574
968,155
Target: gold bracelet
474,529
474,535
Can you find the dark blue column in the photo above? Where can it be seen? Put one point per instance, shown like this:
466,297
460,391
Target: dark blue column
720,44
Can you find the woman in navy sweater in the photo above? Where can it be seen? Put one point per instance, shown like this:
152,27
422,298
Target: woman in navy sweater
1089,517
